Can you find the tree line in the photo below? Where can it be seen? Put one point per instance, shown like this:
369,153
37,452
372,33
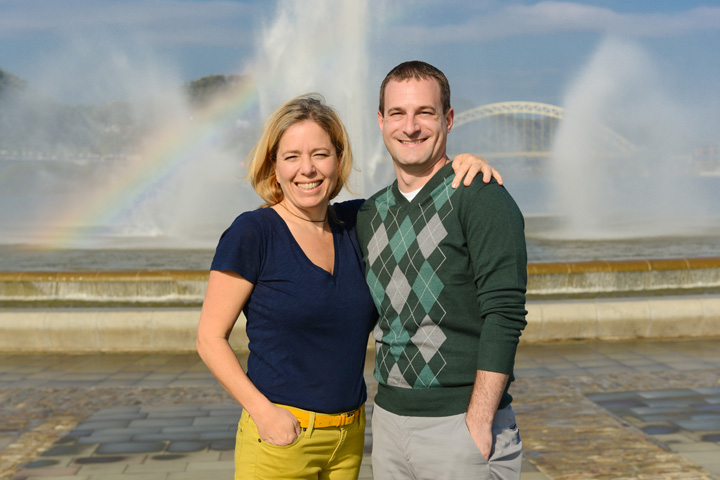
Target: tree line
30,121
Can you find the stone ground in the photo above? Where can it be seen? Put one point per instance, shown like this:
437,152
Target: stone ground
646,409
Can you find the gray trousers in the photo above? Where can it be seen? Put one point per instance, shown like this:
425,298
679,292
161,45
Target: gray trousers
435,448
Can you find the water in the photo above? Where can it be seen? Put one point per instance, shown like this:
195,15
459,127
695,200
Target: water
164,204
24,258
112,250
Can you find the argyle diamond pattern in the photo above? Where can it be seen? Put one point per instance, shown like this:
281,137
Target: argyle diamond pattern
404,255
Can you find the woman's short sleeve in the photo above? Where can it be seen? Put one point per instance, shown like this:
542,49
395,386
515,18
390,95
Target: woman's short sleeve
241,248
347,211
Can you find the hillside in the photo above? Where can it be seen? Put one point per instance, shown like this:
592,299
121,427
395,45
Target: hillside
10,82
30,122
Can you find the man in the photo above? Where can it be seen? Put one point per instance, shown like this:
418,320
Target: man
447,270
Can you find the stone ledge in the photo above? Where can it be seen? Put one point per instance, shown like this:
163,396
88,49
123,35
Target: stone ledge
187,287
623,318
133,330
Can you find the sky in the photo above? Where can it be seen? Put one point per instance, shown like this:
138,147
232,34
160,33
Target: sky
647,69
491,50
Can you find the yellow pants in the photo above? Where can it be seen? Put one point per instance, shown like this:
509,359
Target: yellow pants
332,453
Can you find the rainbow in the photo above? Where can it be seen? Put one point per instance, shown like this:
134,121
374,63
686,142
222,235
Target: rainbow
165,152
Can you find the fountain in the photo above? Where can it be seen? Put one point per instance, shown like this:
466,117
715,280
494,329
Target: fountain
183,183
648,187
135,228
162,201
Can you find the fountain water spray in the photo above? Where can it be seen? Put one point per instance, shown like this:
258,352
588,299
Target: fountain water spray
635,184
183,182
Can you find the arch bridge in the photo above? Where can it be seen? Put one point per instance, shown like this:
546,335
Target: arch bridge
521,130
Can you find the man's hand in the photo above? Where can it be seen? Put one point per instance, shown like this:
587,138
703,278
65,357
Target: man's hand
482,435
468,165
484,401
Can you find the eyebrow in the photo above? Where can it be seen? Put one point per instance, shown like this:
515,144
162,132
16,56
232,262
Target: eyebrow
421,107
296,151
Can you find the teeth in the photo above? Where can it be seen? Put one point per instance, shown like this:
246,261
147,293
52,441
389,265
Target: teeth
415,142
308,186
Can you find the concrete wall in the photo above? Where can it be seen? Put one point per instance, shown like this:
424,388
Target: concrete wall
173,329
156,328
188,286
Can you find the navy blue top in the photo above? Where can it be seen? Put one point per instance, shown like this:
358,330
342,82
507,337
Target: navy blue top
307,329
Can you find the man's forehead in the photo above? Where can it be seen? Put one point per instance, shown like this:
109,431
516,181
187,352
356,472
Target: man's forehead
413,91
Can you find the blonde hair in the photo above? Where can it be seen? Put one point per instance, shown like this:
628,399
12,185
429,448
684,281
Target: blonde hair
261,160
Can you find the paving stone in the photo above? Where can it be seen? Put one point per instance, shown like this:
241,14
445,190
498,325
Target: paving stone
40,463
229,435
196,429
100,459
154,468
174,414
77,476
706,424
99,424
563,428
48,471
222,445
100,438
161,422
106,468
65,450
696,447
215,420
660,429
167,436
713,437
194,475
131,447
136,476
167,458
210,466
182,447
110,416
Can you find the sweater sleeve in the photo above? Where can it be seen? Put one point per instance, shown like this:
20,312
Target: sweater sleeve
494,230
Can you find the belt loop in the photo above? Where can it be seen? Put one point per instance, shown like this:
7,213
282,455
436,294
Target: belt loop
311,425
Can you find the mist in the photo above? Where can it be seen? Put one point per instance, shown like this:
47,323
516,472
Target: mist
164,173
97,172
622,163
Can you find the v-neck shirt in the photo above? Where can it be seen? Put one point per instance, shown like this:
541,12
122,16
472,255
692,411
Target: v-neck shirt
307,328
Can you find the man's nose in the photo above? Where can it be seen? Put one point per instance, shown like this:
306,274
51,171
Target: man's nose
411,125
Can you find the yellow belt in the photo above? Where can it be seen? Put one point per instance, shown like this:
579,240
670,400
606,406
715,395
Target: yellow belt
323,420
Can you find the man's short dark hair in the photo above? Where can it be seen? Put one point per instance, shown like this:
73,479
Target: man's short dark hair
417,70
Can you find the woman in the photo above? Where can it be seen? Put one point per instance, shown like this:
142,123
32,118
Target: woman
296,271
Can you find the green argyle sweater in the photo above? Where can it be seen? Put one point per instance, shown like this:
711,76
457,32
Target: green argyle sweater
448,273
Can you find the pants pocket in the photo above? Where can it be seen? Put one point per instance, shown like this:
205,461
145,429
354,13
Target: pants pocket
507,445
245,450
467,444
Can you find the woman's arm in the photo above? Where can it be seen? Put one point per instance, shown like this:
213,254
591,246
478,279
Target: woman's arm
225,298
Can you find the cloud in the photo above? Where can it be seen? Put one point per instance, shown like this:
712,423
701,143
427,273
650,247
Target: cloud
552,17
166,21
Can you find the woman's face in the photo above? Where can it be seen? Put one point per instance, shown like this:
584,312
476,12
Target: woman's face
306,166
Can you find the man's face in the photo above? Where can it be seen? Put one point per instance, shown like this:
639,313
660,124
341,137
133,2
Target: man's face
414,127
